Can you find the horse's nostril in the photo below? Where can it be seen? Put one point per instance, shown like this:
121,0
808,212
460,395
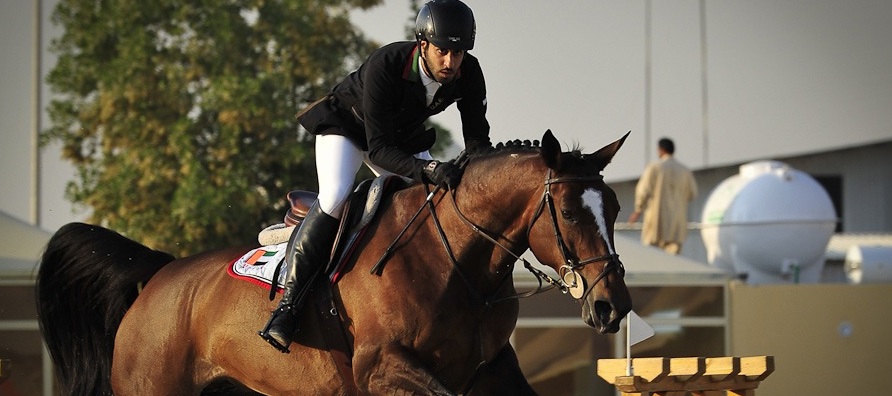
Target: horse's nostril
603,309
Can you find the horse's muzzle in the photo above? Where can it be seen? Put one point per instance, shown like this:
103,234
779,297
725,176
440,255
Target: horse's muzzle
603,316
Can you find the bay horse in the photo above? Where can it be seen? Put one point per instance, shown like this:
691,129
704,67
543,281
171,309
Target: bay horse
434,320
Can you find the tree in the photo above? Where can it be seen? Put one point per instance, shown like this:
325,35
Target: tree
179,115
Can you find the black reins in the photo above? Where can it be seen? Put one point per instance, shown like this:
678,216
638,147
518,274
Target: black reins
568,269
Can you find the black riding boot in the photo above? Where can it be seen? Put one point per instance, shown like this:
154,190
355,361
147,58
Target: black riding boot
308,250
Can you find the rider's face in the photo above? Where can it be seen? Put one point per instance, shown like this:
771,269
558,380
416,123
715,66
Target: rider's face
442,64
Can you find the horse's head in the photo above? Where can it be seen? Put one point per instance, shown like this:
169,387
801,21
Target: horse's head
571,231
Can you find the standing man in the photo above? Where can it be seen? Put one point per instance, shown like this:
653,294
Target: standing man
375,116
663,193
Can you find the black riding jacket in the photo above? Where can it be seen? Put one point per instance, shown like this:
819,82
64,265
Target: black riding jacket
381,107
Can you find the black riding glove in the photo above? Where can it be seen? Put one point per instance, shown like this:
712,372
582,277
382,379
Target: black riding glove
444,174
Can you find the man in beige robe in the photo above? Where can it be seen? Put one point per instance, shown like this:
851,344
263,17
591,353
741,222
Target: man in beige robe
663,193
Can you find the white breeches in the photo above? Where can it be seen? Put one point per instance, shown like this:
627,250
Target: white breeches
337,161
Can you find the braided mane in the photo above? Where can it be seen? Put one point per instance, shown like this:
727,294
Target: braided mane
524,146
517,144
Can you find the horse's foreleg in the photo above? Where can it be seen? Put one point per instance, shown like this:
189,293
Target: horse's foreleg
502,376
392,370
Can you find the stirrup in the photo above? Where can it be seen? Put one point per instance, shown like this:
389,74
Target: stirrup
285,310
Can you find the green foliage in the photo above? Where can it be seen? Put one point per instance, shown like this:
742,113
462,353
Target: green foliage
179,115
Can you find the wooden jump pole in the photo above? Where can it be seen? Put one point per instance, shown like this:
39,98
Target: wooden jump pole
737,376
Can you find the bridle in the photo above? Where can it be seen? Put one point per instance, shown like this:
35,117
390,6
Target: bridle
570,281
569,277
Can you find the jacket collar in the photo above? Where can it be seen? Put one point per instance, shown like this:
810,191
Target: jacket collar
411,71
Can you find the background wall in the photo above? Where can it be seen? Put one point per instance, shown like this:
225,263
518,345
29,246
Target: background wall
826,339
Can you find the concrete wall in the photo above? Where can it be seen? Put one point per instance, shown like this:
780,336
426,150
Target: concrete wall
827,339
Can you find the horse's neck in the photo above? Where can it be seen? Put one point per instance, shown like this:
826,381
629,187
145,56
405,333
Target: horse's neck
496,196
501,190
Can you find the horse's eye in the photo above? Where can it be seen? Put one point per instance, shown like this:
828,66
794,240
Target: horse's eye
568,215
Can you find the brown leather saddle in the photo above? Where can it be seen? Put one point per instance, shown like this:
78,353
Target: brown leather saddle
300,202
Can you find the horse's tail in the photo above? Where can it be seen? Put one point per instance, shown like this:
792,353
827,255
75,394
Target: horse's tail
87,280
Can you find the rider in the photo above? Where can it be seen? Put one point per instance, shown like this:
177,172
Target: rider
375,115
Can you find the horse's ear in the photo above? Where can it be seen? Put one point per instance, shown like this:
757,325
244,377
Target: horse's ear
551,150
603,156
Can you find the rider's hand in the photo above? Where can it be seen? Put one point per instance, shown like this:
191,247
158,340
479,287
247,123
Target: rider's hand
444,174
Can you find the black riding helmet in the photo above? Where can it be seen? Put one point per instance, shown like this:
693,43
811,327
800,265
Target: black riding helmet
448,24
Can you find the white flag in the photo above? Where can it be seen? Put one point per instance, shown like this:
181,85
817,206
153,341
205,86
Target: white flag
638,329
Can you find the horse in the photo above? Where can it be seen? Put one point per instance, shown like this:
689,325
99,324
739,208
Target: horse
435,319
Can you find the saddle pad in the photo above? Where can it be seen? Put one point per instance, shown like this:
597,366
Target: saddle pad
258,265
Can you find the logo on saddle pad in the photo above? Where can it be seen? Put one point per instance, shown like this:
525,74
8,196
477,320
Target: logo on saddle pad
258,265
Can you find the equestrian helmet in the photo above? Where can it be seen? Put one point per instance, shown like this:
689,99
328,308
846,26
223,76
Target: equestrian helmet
448,24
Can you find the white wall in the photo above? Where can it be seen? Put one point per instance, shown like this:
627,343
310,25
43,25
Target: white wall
793,77
25,61
17,106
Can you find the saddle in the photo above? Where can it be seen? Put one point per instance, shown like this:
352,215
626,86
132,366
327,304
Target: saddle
359,211
299,203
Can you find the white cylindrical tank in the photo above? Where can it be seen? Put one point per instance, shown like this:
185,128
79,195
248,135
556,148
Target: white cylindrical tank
869,264
770,222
